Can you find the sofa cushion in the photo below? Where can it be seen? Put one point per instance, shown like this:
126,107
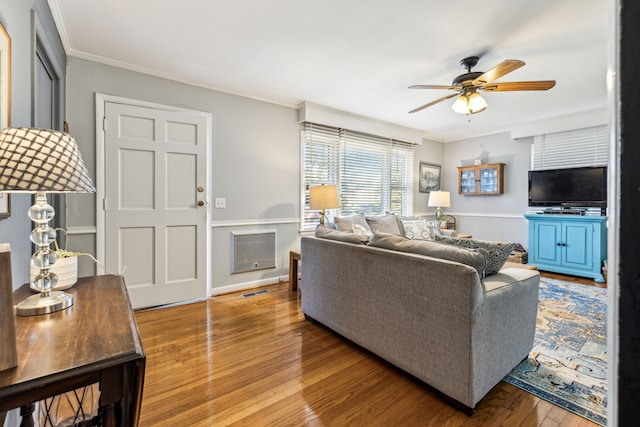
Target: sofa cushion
476,258
324,232
384,224
421,229
345,223
498,251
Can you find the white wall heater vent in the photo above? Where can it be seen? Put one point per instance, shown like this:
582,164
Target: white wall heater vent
253,250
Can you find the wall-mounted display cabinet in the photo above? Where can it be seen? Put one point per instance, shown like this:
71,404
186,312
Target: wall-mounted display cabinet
481,179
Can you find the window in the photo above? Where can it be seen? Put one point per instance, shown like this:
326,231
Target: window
575,148
374,175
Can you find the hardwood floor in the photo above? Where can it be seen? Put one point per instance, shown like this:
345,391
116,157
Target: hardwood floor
575,279
256,362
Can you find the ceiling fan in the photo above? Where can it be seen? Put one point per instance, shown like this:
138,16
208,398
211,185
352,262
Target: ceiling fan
468,84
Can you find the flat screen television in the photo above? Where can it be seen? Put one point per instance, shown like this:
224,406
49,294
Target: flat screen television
571,187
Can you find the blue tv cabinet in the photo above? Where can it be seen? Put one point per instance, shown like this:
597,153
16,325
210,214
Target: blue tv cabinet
569,244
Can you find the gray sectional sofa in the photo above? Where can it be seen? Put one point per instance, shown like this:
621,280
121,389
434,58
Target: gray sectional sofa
434,317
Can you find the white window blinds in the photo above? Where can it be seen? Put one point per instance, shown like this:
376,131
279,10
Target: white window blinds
373,174
575,148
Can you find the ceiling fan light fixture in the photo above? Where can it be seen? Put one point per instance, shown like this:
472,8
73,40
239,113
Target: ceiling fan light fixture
467,85
461,105
469,103
477,103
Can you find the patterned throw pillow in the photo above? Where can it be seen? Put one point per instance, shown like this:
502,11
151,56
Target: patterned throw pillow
498,251
420,229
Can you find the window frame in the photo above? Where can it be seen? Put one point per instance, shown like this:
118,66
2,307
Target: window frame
327,152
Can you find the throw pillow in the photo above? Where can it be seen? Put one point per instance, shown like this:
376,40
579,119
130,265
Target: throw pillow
361,229
345,223
498,251
383,224
324,232
420,229
476,258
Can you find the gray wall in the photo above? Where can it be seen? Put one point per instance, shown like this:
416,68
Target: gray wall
430,152
255,160
495,217
492,217
16,16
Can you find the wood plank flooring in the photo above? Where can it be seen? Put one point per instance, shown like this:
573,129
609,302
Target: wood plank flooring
255,361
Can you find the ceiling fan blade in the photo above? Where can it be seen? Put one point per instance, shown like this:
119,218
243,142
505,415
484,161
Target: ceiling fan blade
422,107
435,87
498,71
510,86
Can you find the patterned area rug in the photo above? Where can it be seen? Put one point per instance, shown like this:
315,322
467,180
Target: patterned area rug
568,363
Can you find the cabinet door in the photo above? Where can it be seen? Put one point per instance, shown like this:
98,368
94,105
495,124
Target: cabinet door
488,180
547,243
467,180
577,245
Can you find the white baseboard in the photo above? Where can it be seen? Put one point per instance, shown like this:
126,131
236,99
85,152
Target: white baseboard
248,285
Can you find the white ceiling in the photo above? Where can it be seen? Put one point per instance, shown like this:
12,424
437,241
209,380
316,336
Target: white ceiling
357,55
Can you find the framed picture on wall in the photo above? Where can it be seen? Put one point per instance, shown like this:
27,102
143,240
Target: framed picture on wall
428,177
5,78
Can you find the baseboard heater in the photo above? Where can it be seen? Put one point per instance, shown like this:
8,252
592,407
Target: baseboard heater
253,250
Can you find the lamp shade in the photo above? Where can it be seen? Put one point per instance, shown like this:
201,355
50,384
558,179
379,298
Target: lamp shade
476,103
461,105
323,197
439,199
41,160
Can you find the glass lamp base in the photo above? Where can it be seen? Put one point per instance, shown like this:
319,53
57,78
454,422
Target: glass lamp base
36,304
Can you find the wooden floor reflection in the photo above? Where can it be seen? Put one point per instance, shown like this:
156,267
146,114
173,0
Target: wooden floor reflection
256,362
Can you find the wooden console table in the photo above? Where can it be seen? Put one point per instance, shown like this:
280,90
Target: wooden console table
95,340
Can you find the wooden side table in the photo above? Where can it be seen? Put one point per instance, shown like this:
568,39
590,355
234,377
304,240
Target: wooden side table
95,340
294,259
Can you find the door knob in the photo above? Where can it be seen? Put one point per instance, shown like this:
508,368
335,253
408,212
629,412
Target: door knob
200,202
200,189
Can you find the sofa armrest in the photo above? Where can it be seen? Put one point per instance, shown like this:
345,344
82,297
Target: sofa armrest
504,327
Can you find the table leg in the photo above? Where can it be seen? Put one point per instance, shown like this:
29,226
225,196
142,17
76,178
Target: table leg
294,258
26,412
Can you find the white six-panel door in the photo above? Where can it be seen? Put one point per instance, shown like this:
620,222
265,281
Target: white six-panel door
155,202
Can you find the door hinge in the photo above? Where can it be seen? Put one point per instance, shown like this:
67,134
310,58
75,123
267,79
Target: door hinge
104,124
104,204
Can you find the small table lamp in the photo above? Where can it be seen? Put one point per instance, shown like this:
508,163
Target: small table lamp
42,161
439,199
323,197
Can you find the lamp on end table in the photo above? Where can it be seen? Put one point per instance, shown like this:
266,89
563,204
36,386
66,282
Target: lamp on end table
42,161
323,197
439,199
